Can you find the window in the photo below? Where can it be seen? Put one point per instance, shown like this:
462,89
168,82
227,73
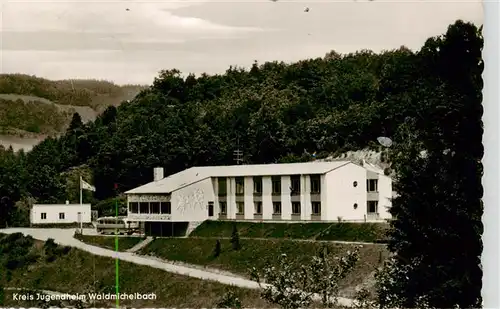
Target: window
295,208
240,208
276,208
372,185
133,207
61,216
257,185
222,186
210,209
223,208
165,208
316,208
355,184
372,207
240,186
258,208
276,185
144,207
315,184
43,215
155,207
295,185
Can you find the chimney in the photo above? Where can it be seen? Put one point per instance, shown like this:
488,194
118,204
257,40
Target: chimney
158,173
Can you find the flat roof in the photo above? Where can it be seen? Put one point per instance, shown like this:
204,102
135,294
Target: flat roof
69,205
192,175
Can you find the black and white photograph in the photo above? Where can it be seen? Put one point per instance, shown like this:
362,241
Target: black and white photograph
244,154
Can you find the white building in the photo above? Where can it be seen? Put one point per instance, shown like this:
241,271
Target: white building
313,191
60,213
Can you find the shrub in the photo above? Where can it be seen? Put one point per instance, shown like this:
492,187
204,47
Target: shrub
49,245
235,238
217,249
292,286
229,300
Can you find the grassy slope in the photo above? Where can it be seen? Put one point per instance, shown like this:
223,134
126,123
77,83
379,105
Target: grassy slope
108,242
258,253
364,232
49,105
254,253
76,271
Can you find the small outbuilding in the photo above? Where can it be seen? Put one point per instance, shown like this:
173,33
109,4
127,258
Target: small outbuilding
60,213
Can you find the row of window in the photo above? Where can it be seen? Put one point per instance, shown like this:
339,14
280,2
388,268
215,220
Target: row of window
43,216
296,208
150,208
371,185
372,207
276,185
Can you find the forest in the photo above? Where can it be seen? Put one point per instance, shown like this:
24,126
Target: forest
426,100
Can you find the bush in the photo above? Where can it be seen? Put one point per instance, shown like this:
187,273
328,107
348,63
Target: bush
217,249
49,246
293,286
235,238
229,300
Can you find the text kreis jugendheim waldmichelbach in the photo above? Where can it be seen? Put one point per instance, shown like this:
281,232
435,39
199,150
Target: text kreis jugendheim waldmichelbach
83,297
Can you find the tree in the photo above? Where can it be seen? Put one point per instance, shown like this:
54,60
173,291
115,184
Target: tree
46,185
235,238
436,234
217,249
294,286
76,123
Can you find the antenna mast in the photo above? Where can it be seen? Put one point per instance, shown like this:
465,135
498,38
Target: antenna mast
238,154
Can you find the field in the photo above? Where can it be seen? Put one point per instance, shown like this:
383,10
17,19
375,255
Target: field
30,265
32,105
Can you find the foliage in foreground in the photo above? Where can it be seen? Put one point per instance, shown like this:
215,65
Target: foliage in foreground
292,286
436,237
229,300
82,272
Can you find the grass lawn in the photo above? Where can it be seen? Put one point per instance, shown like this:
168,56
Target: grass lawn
108,242
257,253
363,232
24,264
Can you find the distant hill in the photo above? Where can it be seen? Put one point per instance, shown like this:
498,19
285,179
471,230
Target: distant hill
33,106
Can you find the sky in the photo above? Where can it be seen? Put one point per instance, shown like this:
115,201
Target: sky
131,41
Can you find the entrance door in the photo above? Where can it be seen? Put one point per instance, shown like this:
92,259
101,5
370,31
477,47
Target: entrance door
210,209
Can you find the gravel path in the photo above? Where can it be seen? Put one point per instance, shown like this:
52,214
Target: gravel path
65,237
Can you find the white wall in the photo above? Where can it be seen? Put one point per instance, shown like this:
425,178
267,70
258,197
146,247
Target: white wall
385,196
286,199
70,213
191,202
267,198
231,197
342,195
248,198
305,197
